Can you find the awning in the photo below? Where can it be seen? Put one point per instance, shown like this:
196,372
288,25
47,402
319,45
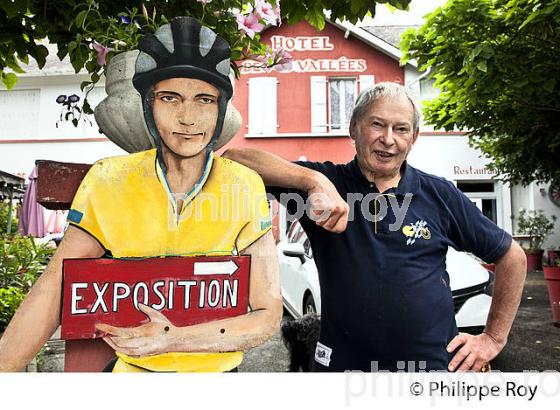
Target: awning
11,186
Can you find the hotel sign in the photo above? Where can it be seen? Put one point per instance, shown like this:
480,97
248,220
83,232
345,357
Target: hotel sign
308,65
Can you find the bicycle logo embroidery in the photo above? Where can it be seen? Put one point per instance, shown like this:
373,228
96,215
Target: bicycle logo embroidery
415,231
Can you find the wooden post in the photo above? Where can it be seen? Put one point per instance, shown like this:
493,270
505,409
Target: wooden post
10,206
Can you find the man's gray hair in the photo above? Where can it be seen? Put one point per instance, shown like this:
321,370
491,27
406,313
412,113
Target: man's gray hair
378,91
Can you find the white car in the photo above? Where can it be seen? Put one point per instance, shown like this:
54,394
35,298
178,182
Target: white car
471,284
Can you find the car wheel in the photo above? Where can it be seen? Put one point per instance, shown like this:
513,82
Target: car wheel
309,305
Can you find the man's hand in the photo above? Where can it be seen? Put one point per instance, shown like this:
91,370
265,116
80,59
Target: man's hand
475,352
327,209
151,338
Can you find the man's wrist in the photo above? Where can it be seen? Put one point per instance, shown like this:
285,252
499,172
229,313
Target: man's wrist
311,179
498,340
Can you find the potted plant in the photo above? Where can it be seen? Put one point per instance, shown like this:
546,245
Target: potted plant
537,226
552,276
111,45
553,255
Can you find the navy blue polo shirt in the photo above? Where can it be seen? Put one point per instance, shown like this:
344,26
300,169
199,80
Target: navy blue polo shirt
385,292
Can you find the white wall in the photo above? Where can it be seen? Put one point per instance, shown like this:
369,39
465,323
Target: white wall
19,159
449,157
452,158
47,109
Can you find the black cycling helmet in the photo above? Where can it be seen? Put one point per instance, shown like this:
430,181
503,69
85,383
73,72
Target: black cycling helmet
183,48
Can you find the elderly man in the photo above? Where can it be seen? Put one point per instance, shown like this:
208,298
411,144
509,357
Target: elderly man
152,204
386,300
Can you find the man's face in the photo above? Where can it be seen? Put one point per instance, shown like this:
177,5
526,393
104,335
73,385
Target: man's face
185,111
385,136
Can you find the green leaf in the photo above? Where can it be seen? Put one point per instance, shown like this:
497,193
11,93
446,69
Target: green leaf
15,67
550,84
72,46
316,18
62,52
84,84
80,18
24,59
9,80
91,65
14,8
87,107
531,17
476,51
482,66
355,6
79,57
40,55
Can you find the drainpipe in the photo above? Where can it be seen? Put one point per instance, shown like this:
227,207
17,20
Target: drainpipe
417,80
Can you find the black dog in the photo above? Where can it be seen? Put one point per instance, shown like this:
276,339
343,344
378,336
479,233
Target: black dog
300,337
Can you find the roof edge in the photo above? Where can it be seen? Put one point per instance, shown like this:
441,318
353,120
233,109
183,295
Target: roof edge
371,40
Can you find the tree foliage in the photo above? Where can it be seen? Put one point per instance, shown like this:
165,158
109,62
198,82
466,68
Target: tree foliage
24,22
497,64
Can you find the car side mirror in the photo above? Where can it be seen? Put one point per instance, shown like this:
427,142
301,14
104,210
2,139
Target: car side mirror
295,250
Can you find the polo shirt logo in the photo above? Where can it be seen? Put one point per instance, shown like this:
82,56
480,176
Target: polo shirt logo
415,231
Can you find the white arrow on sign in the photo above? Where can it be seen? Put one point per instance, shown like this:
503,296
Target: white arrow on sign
215,268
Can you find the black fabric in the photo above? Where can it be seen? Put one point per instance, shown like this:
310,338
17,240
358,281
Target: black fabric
386,300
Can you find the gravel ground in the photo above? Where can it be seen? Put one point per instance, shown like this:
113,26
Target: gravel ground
534,342
271,356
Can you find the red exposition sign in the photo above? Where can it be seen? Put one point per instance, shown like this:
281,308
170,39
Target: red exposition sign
187,290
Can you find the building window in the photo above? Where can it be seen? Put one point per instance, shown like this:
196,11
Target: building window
332,100
19,113
483,195
342,94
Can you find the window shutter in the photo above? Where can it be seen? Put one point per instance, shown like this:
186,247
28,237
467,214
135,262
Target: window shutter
366,81
262,105
318,103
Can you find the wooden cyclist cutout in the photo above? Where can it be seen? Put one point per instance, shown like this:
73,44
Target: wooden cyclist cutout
177,201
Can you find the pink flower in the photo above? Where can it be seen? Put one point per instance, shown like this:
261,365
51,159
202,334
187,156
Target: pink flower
282,60
279,60
277,12
249,24
266,12
264,61
101,52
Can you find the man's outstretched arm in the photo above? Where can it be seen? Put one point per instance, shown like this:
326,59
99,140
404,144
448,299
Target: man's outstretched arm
275,170
38,316
328,208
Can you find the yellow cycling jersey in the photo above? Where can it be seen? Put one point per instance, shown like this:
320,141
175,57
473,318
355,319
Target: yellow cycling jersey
125,203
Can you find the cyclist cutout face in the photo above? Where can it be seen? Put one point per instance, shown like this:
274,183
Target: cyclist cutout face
185,112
